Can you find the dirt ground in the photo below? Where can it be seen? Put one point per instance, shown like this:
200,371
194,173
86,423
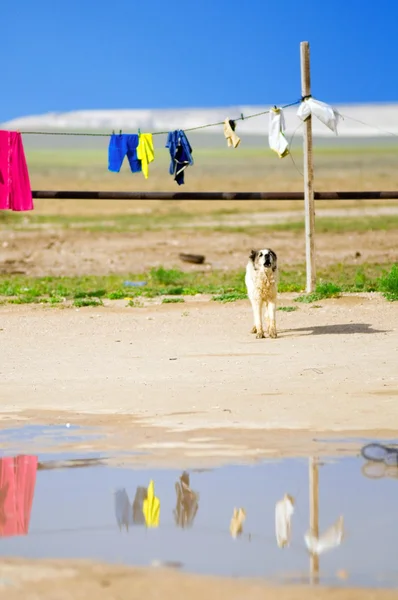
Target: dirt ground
71,580
188,383
333,367
69,252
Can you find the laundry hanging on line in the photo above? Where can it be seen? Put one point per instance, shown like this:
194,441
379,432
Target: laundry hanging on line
229,132
145,152
137,147
122,145
324,112
15,190
180,153
276,137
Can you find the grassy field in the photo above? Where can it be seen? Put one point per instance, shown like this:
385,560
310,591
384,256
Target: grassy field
175,284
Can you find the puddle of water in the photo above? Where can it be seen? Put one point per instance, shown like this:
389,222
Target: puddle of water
13,438
48,510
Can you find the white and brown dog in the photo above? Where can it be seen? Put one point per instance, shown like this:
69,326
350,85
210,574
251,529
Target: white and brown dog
262,288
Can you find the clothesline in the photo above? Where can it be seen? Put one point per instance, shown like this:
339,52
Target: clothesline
83,133
16,194
198,127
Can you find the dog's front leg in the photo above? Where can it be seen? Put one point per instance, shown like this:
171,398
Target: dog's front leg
272,319
258,317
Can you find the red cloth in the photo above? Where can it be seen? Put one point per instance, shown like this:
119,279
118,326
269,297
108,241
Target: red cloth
17,487
15,191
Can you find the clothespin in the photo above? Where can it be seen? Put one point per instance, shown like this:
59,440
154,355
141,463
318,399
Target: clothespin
120,132
139,131
242,117
113,132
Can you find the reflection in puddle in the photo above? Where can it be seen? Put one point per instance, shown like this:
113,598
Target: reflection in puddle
138,506
330,539
236,525
169,517
46,435
284,510
187,503
17,487
151,507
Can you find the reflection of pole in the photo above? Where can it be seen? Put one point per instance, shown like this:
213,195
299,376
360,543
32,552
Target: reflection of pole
314,515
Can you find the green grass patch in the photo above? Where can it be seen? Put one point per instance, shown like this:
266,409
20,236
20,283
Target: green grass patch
23,300
288,308
172,300
135,303
388,284
118,295
90,294
322,290
82,302
164,276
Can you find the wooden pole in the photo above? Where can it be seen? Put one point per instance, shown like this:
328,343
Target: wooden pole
309,204
314,515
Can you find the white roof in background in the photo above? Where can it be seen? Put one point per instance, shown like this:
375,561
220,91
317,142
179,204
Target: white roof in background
366,120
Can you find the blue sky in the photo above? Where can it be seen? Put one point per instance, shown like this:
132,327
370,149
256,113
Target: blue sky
86,54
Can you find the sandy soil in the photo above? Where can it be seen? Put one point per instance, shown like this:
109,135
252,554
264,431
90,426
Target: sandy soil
79,580
51,580
74,252
196,366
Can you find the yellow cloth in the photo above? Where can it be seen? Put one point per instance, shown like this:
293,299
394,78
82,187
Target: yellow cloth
232,138
151,507
145,152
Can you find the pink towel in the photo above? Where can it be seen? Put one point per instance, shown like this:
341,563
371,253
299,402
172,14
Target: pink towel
15,192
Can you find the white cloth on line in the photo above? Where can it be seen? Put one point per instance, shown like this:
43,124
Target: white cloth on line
276,136
324,112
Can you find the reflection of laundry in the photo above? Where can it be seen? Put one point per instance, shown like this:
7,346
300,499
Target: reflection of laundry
186,504
17,486
236,525
229,133
138,506
283,514
151,507
122,509
331,538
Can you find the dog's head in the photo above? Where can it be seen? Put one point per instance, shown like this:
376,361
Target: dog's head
264,259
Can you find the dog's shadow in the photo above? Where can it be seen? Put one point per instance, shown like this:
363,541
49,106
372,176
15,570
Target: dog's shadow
338,329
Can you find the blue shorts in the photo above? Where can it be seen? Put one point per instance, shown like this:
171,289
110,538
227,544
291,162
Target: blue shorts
119,146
